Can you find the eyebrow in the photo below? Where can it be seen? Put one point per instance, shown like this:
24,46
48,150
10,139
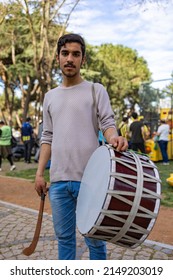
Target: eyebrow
78,53
65,51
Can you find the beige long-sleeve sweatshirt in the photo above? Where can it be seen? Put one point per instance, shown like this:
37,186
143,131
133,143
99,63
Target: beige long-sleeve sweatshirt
70,127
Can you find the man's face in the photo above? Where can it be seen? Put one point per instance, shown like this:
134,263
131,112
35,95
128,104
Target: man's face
70,59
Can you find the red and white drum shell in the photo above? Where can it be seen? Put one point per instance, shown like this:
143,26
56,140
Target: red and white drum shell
119,197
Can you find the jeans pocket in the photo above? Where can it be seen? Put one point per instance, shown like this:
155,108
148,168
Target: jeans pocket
74,189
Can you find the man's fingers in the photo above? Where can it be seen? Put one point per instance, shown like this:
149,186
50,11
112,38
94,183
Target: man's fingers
41,188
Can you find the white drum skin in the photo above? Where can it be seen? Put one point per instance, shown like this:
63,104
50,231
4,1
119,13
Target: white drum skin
93,189
119,197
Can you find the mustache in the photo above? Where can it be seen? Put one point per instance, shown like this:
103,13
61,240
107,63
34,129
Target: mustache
70,65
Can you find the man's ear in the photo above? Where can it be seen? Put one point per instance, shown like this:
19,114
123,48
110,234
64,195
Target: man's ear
57,58
83,60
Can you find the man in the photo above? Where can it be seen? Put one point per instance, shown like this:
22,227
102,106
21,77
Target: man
123,130
27,138
69,137
5,145
137,132
123,127
40,129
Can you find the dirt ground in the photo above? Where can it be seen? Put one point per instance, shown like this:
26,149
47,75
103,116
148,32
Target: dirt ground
22,192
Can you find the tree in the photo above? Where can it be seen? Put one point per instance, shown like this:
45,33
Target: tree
121,71
143,3
28,51
168,92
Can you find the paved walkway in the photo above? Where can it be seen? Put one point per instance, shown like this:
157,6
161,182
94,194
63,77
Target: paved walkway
17,225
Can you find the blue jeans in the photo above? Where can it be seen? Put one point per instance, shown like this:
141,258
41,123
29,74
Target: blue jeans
163,148
63,199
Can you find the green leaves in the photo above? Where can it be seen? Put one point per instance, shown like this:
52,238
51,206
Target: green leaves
121,71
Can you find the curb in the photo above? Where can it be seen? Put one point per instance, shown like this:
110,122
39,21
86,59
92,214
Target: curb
49,217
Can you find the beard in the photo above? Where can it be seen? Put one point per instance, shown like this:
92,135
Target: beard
70,71
69,74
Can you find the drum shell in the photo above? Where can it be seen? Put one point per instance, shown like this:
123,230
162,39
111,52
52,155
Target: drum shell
132,200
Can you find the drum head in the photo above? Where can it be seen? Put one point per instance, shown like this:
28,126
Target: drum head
93,189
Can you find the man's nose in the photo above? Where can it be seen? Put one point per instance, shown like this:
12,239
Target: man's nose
70,57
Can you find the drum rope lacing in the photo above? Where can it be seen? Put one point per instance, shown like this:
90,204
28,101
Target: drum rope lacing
128,223
135,204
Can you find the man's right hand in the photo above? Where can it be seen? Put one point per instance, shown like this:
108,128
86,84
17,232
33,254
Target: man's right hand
40,185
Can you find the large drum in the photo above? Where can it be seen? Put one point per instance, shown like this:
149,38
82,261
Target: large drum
119,197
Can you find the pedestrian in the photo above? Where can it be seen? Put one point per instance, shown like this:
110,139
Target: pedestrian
163,138
17,134
137,134
5,145
27,138
123,130
70,136
101,138
146,131
40,129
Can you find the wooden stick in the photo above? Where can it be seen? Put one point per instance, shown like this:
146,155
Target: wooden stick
30,250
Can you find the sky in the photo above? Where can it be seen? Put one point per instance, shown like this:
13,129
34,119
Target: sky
147,29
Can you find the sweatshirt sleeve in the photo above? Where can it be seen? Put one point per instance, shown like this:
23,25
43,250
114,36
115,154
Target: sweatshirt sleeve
47,133
105,112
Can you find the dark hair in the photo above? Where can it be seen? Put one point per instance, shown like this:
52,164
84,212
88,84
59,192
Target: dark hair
2,122
125,119
71,38
163,121
134,115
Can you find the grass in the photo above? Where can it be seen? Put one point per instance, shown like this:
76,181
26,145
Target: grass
164,171
167,190
27,174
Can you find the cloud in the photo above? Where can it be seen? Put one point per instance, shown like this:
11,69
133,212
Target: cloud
147,30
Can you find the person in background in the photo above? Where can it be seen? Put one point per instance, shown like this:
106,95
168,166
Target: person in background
70,136
136,132
123,130
101,138
163,138
5,144
146,131
27,138
17,134
40,129
122,127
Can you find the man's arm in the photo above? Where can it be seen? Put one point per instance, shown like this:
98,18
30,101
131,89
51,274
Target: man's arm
45,154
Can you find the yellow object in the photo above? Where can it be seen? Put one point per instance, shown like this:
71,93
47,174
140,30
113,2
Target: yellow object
167,114
153,150
153,153
170,180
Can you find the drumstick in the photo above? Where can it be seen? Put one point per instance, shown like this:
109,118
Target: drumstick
30,250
